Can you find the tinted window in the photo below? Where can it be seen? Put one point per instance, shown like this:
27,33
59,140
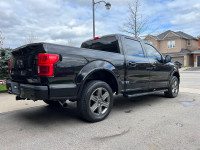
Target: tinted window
109,44
133,48
153,54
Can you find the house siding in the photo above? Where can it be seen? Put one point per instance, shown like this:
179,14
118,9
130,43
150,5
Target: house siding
194,45
164,46
155,43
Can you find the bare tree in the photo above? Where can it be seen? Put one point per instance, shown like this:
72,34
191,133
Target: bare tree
31,38
1,39
71,42
136,23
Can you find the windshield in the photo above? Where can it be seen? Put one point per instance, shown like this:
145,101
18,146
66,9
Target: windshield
108,44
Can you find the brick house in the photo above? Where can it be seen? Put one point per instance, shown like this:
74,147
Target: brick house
181,46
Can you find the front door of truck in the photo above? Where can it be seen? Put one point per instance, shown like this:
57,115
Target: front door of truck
137,75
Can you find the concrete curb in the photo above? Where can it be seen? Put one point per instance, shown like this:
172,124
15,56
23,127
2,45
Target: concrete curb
3,92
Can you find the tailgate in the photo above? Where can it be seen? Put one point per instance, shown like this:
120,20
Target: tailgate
23,63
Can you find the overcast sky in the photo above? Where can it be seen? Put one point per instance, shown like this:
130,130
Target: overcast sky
57,21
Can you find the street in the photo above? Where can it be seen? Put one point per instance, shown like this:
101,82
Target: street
149,122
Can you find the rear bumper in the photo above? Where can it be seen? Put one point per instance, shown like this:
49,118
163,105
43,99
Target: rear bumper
36,92
33,92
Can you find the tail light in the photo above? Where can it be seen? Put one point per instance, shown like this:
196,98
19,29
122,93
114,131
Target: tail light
95,38
46,64
9,67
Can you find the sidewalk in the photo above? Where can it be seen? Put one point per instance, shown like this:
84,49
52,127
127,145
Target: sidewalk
190,69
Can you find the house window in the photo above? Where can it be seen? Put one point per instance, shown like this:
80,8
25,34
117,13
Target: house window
171,44
188,43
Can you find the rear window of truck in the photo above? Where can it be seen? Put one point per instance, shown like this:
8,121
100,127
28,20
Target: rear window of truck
108,44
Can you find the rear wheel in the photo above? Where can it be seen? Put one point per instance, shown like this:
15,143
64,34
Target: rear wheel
51,103
173,88
96,101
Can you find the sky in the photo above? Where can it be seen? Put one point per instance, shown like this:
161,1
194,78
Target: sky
70,21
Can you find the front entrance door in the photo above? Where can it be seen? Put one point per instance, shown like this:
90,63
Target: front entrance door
198,61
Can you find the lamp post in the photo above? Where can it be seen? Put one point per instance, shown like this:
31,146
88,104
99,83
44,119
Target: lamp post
107,5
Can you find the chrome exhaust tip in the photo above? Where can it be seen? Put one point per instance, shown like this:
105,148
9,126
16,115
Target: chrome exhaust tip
63,104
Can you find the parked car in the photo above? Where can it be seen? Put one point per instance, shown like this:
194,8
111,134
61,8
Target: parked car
92,74
178,64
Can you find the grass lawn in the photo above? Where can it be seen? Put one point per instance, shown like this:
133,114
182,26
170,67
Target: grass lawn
3,88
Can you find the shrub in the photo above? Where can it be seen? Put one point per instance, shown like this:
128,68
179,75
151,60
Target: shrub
5,54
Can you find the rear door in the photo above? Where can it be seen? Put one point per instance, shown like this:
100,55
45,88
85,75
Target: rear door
159,71
137,75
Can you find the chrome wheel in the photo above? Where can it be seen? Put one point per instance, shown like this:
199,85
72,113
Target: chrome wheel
175,87
99,101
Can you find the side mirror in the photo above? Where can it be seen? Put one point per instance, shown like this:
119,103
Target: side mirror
168,59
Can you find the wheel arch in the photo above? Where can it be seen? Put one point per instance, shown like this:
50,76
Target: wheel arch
99,70
176,73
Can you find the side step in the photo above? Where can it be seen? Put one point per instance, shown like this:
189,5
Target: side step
145,93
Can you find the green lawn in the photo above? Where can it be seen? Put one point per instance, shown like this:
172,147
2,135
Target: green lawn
3,88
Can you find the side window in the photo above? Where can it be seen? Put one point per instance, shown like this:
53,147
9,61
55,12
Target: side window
133,48
153,54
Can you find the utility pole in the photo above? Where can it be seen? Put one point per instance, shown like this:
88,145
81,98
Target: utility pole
107,5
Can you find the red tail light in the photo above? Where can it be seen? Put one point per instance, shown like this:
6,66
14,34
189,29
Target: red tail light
95,38
46,64
9,67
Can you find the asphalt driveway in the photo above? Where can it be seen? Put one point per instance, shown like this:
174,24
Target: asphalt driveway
149,122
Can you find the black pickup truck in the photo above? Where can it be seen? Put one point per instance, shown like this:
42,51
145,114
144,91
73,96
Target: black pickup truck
91,75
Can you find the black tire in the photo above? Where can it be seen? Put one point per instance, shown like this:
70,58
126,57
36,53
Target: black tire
172,92
52,103
91,99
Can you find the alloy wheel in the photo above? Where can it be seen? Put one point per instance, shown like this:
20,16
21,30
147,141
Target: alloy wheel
175,87
99,101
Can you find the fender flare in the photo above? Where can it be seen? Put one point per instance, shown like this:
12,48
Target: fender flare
175,72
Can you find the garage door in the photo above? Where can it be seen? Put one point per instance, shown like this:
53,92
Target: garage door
179,59
198,61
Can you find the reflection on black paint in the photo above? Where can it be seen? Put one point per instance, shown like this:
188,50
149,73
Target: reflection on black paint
108,44
133,48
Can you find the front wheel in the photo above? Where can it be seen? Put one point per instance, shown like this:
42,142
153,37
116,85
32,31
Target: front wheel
173,88
96,101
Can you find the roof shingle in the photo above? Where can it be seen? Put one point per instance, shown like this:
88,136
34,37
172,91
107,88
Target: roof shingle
181,34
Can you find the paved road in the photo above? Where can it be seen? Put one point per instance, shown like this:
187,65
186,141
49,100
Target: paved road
190,80
149,122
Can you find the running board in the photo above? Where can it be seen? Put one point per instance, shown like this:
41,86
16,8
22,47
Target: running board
145,93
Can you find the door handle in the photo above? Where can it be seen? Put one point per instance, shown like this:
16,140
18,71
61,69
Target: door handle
132,64
151,68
